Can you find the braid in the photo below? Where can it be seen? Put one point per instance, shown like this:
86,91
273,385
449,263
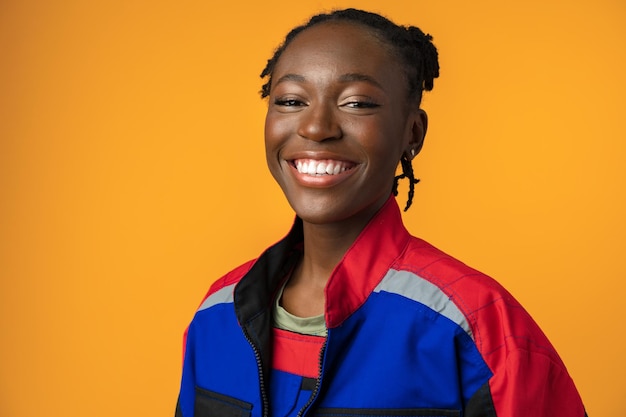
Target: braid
407,172
420,49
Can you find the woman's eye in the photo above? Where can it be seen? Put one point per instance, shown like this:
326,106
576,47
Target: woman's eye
362,104
288,102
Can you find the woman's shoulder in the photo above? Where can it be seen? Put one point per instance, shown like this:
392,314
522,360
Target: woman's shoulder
233,276
442,269
469,288
223,286
498,322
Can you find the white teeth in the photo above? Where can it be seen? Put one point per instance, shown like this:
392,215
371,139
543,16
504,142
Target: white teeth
314,167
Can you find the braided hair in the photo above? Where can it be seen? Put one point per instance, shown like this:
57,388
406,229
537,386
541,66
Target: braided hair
415,52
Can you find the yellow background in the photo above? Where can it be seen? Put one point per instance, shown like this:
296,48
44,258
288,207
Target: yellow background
132,175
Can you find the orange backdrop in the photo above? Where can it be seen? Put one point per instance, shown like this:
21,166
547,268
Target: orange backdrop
132,175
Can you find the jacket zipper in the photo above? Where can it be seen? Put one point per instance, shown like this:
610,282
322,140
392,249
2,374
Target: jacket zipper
257,355
318,383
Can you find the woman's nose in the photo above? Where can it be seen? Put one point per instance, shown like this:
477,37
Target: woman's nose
319,123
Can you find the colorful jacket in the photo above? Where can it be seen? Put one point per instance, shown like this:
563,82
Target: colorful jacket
411,332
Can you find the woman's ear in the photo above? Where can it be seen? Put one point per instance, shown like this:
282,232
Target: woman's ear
418,133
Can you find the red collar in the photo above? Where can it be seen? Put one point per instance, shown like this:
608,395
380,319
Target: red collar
365,263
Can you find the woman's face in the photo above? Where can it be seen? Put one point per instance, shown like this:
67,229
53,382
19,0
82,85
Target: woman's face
338,122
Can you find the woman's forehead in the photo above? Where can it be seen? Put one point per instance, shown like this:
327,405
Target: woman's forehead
342,42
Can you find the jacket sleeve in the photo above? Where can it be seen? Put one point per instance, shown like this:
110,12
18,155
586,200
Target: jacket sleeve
178,413
528,384
186,395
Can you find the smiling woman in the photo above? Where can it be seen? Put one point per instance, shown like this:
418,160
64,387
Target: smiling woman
350,314
340,102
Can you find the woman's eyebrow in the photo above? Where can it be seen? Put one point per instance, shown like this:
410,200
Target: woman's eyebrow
344,78
290,77
355,76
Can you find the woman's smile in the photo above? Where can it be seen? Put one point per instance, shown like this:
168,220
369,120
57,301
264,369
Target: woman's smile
323,167
321,173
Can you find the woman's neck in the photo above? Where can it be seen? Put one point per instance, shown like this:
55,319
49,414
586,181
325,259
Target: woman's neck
324,247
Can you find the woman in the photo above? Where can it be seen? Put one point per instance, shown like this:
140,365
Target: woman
349,314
